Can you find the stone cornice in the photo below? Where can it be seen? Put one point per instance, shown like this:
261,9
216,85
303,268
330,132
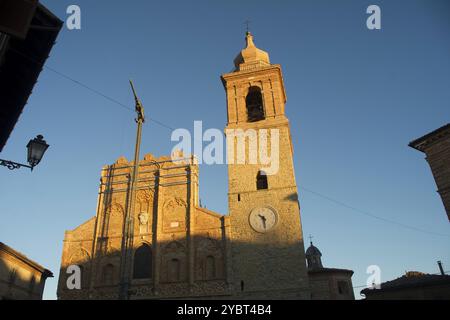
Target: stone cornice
427,140
8,251
270,123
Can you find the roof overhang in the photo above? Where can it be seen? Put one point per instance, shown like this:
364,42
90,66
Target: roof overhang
21,62
425,141
16,254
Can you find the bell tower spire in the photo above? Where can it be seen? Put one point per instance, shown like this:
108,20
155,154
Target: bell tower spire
251,57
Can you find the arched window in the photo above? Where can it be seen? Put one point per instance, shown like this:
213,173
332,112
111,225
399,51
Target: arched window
174,270
343,287
254,103
210,268
108,274
261,181
142,267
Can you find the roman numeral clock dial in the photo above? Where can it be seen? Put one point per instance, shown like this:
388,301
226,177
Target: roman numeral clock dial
263,220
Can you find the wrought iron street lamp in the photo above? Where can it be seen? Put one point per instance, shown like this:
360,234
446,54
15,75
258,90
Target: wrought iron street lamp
36,149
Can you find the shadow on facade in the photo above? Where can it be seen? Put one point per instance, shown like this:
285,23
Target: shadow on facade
176,269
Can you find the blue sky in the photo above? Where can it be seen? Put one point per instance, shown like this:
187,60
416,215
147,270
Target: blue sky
356,98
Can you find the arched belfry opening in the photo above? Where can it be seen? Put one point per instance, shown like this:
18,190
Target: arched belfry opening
254,104
142,266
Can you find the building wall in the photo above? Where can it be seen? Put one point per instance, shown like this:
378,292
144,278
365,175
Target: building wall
438,157
331,286
18,279
436,146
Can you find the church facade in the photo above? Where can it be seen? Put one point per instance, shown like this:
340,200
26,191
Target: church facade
181,250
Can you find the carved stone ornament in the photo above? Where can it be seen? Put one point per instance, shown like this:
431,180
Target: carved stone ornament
143,218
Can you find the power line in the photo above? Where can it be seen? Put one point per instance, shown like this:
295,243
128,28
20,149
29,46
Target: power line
372,215
97,92
89,88
85,86
105,96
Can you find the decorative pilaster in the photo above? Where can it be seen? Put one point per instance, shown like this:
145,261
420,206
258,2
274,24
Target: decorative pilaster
191,185
157,230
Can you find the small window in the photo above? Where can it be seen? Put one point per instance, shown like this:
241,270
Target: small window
343,287
261,181
254,104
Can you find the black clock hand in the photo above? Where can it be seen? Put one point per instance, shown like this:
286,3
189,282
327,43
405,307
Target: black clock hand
263,220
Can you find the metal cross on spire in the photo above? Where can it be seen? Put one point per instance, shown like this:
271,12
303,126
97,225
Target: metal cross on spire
310,238
247,25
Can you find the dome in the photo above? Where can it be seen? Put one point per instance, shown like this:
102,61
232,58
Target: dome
313,258
251,56
313,251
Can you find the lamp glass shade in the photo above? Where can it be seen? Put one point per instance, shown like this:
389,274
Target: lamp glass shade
36,149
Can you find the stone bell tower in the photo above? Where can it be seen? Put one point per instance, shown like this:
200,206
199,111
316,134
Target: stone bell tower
267,250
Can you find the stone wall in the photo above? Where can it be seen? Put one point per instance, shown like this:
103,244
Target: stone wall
331,284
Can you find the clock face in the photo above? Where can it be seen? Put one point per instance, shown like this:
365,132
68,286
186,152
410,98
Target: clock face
263,219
